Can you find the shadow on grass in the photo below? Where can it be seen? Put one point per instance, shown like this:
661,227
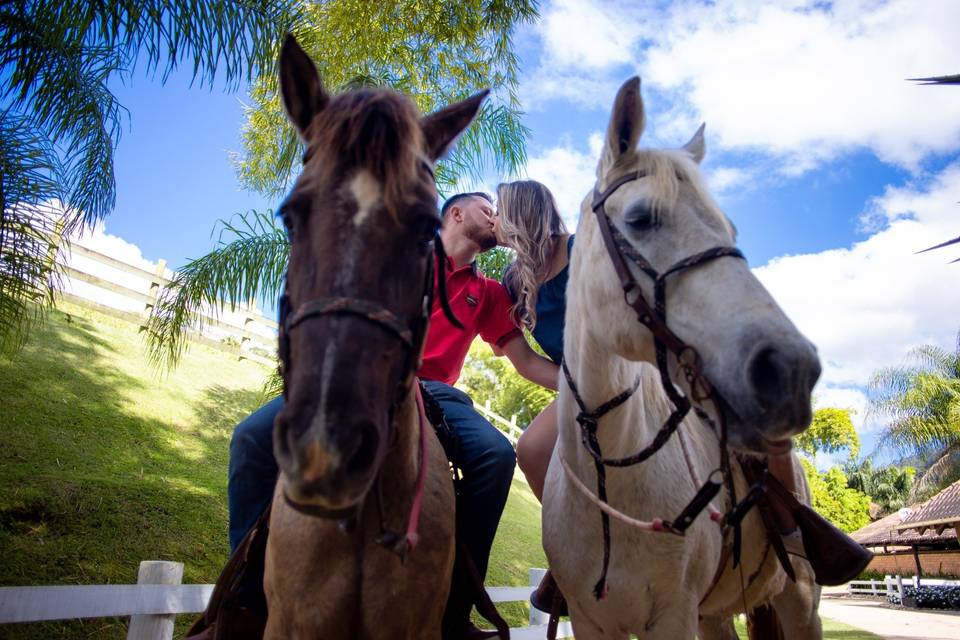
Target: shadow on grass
89,485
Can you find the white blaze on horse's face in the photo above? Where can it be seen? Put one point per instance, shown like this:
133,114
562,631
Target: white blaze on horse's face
762,366
366,193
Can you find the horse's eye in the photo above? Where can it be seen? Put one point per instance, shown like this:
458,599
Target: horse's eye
641,217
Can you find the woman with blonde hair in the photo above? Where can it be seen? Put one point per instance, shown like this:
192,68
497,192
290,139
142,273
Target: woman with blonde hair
529,223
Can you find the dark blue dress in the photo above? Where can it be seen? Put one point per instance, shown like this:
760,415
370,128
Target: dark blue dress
551,309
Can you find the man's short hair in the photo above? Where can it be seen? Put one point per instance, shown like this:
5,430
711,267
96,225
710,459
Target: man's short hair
454,199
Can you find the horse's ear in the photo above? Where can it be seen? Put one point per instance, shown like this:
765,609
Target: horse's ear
626,122
300,87
442,128
697,147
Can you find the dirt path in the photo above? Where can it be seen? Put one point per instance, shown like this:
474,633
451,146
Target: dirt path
890,623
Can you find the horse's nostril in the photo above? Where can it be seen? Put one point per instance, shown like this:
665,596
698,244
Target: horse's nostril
365,439
766,375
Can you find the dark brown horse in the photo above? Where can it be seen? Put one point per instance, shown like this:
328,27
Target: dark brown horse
350,442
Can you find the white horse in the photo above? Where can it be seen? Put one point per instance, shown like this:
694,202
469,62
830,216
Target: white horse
661,585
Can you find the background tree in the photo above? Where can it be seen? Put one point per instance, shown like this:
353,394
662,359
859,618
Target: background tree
889,487
489,378
60,123
922,401
436,52
494,263
830,431
848,509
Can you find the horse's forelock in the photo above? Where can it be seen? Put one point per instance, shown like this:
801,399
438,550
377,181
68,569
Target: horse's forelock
376,130
666,170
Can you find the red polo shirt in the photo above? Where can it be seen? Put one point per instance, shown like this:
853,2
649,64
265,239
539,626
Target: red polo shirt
482,306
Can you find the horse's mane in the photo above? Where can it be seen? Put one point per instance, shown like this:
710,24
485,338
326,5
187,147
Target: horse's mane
667,169
373,129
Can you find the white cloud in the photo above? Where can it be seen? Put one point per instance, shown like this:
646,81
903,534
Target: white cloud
586,34
724,179
817,81
867,305
569,174
803,81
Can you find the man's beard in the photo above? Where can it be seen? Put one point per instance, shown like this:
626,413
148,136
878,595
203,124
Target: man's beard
485,238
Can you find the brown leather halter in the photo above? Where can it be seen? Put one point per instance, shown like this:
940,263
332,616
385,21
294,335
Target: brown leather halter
411,337
655,319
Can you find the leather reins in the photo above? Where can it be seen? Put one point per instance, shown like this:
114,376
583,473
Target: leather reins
688,359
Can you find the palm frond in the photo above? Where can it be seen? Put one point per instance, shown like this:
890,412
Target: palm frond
496,139
61,123
955,79
30,235
272,386
944,469
248,264
935,358
941,245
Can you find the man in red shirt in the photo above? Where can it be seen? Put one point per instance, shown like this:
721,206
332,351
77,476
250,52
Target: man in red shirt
485,457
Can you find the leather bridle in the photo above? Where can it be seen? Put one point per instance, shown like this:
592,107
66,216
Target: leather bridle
654,317
411,337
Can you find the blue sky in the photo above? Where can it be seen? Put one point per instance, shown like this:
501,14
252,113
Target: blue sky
834,169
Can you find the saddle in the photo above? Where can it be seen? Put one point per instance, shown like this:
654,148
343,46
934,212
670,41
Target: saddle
238,606
833,555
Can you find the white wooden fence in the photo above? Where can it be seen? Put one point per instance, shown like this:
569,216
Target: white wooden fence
158,597
891,584
130,290
509,428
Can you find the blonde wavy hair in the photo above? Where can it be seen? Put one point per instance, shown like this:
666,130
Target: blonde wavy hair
531,225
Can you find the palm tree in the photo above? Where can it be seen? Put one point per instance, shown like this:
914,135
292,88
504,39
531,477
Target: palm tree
60,123
922,401
889,487
436,52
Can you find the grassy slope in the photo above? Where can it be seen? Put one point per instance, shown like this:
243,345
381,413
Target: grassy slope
104,464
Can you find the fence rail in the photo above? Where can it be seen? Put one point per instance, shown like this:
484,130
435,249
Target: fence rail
131,291
157,598
509,428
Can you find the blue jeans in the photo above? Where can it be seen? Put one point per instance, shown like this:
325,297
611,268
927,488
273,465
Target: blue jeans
485,457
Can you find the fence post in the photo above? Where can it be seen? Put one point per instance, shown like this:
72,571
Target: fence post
900,587
537,617
155,286
247,320
149,626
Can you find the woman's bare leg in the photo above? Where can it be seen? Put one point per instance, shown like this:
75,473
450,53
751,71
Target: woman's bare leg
536,446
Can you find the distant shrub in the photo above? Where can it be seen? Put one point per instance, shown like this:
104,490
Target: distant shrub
930,597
